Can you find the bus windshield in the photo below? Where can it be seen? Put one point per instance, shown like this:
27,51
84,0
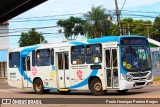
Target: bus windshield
136,58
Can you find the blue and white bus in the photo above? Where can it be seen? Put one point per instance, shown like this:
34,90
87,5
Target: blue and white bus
117,63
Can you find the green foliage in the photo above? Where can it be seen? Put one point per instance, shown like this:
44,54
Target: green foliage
156,29
31,37
72,27
132,27
114,30
97,25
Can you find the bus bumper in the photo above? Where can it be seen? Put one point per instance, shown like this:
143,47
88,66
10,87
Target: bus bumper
123,84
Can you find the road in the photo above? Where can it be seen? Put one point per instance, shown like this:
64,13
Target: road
148,92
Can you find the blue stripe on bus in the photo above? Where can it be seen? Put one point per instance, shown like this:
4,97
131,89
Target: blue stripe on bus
77,43
50,88
85,82
25,52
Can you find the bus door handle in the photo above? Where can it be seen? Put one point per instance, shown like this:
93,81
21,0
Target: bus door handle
67,77
61,78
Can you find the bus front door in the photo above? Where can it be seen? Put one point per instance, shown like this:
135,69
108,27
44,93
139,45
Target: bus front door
111,62
26,70
63,70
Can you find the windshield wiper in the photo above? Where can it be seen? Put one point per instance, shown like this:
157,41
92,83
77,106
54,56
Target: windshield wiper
132,50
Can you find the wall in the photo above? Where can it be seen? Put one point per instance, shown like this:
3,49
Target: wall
4,41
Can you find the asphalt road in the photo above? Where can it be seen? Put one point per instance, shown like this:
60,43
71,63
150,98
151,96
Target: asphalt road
148,92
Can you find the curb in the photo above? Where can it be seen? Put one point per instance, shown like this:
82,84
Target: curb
156,81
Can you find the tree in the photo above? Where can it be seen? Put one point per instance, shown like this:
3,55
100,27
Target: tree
72,27
156,29
96,24
31,37
127,25
132,27
140,27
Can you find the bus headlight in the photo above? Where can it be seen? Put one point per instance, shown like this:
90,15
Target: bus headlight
149,77
127,77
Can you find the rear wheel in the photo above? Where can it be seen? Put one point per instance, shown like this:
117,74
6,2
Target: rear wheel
38,86
96,87
122,91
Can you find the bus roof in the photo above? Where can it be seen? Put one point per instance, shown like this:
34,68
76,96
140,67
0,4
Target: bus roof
84,42
104,39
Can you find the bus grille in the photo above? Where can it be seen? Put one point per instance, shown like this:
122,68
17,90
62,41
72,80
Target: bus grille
139,74
140,83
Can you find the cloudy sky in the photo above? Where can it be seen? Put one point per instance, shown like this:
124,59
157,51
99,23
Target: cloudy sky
52,8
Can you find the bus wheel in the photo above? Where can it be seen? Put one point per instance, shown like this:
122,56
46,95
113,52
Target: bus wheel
38,86
122,91
96,87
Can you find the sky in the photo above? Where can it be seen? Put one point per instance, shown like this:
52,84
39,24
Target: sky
53,8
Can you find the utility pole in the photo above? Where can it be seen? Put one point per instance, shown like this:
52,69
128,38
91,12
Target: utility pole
148,27
118,18
129,33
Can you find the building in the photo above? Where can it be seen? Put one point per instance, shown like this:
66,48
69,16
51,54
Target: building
4,46
10,9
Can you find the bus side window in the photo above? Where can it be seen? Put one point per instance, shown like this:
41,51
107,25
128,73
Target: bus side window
60,62
33,58
28,63
14,59
108,58
114,53
94,53
43,57
78,55
52,56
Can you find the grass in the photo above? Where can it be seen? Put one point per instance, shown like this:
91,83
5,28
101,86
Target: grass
156,78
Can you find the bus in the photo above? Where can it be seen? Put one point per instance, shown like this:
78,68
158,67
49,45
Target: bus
117,63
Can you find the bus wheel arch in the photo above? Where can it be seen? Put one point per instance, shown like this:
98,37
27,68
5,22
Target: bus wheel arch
95,86
38,86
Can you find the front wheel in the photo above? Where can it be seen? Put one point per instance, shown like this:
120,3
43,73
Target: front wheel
96,87
122,91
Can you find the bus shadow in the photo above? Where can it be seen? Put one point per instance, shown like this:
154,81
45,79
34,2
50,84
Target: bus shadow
86,93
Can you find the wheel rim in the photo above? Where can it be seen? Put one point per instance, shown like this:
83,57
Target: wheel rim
38,86
97,87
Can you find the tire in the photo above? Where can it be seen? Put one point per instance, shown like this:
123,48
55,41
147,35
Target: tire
122,91
38,86
64,92
96,88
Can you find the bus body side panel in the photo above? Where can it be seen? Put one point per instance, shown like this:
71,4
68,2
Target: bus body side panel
45,74
81,74
14,78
